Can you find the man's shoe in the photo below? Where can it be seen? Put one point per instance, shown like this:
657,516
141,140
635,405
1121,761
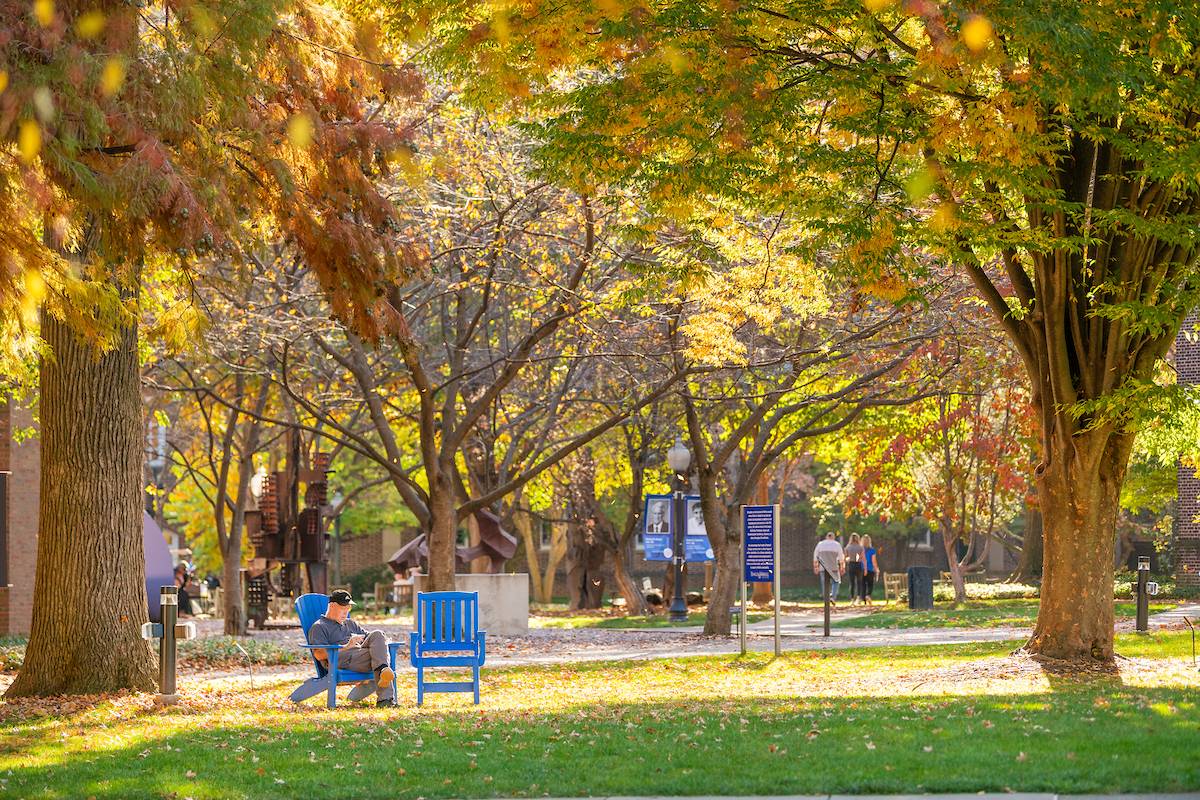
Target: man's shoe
386,678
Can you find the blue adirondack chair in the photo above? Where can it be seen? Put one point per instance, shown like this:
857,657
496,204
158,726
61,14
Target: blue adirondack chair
309,607
447,635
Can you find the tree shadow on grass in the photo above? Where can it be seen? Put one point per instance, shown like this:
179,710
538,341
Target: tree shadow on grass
1047,741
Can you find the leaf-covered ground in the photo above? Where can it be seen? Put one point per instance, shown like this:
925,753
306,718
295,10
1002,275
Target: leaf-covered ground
584,620
971,614
961,718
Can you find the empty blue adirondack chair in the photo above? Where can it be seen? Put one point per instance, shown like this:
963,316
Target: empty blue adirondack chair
309,607
447,635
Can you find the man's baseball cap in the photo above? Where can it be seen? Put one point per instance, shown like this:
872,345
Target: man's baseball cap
341,597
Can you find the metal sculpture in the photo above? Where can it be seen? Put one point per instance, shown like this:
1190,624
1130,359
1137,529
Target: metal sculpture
290,553
495,544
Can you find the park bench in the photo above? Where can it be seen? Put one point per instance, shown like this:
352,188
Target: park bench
447,635
309,608
894,584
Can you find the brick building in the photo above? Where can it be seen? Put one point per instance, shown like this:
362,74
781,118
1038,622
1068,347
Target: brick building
19,463
357,553
1187,516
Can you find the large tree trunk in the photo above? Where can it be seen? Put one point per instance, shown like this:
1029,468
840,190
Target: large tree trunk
717,621
523,520
1029,566
950,541
1079,489
90,590
725,537
232,596
585,564
443,533
635,603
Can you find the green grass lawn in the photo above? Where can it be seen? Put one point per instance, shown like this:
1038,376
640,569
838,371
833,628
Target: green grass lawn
972,614
654,621
933,719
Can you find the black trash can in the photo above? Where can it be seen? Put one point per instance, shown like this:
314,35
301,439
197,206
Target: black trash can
920,588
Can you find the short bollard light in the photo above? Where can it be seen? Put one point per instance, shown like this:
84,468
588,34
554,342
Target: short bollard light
168,632
1143,594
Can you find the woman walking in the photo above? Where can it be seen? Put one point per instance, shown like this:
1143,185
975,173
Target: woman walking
854,568
870,569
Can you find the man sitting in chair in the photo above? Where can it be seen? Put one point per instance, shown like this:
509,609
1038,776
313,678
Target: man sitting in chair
361,651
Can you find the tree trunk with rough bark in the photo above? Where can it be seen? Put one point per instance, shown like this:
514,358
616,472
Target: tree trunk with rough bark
585,562
950,539
1029,565
90,588
523,521
728,574
442,535
725,538
232,596
635,603
1079,489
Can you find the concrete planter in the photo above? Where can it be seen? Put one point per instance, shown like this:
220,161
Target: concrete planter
503,600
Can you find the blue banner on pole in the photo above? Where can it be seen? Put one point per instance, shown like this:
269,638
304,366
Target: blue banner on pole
656,528
696,546
759,530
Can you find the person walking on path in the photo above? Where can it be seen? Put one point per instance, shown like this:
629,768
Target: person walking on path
829,562
361,651
854,567
870,569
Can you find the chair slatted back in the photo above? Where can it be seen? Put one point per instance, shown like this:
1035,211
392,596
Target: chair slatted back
309,608
447,620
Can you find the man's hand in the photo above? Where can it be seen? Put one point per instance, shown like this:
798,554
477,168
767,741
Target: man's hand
356,640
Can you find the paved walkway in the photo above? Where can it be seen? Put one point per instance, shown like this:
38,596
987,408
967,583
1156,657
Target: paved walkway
558,646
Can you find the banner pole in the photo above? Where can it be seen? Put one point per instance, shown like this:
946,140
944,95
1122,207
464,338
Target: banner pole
742,616
778,582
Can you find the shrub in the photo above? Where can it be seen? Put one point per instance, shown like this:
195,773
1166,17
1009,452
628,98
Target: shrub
364,581
987,591
222,651
12,652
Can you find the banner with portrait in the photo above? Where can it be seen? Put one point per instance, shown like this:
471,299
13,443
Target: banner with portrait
656,528
696,546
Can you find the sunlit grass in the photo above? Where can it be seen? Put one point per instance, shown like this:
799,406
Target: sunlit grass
948,718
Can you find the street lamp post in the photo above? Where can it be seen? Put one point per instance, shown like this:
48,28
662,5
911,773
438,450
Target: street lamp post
679,458
337,538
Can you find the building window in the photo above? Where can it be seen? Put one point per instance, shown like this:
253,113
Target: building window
922,540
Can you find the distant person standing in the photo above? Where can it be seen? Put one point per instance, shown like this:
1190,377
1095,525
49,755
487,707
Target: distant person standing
870,569
184,597
829,562
854,567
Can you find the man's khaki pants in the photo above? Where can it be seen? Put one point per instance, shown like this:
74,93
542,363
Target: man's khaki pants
368,657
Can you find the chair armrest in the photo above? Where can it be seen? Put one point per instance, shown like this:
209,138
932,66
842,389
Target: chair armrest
414,646
481,647
331,652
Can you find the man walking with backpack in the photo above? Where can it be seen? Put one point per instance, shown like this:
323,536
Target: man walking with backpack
829,562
